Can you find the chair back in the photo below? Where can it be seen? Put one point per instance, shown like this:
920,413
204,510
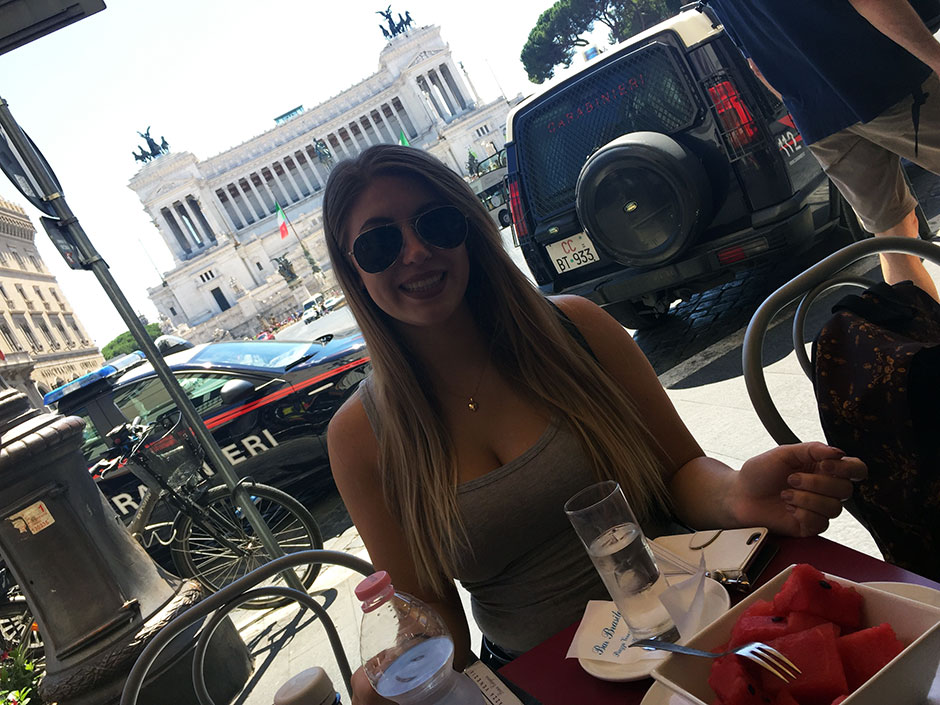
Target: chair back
805,288
219,604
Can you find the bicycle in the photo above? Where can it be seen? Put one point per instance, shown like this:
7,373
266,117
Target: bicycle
210,539
16,620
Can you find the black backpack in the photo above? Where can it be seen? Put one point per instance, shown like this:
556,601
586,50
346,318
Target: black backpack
877,382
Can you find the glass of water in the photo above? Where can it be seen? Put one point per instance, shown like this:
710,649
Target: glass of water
614,541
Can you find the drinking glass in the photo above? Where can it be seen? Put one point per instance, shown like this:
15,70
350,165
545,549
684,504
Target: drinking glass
609,531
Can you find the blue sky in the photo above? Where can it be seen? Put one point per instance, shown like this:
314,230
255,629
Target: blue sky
207,75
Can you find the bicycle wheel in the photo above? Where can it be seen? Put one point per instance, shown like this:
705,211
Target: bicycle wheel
17,626
198,554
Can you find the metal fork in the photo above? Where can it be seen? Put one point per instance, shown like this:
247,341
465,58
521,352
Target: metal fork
761,654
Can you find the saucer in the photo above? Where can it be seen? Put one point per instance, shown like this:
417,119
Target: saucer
640,666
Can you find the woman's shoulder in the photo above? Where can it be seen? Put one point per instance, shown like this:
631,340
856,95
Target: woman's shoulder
350,438
585,314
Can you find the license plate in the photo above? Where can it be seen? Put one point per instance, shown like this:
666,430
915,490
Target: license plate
571,253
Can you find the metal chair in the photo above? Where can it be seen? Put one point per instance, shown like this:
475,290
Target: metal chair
806,287
230,597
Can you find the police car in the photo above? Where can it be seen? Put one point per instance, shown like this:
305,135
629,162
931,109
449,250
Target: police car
267,403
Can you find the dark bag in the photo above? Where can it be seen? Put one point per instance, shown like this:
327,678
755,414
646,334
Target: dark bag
877,381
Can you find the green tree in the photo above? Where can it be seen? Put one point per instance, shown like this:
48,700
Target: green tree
125,342
559,30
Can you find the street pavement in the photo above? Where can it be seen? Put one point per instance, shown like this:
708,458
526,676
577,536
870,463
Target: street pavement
697,355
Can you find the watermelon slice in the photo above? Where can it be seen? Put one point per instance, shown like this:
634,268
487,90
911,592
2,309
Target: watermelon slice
760,628
807,590
816,654
866,652
735,684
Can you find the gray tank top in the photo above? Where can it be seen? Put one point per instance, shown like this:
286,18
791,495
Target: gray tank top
525,568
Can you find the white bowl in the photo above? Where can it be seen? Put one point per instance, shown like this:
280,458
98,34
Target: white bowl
906,680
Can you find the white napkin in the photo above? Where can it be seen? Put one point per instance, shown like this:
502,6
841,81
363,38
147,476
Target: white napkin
603,635
685,602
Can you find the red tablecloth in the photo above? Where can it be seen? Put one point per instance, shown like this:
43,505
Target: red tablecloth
554,680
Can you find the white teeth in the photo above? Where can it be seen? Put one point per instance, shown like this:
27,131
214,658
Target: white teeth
423,284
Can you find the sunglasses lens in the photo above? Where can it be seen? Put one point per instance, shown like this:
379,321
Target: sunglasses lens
444,227
376,249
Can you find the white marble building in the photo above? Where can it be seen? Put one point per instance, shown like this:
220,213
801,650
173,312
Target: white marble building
217,216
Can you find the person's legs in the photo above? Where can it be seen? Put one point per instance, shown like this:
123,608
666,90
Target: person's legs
871,180
898,267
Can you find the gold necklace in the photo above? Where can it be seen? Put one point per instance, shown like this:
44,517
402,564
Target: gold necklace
472,403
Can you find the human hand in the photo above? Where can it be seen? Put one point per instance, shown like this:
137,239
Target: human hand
794,489
362,691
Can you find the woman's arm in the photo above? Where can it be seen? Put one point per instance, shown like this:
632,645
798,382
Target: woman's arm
354,462
899,21
810,478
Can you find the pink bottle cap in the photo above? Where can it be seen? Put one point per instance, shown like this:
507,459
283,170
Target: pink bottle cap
373,586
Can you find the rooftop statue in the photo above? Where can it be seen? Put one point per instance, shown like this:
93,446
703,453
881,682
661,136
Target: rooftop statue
394,28
152,150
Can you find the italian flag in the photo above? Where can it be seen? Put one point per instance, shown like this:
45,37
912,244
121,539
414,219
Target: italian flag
402,140
281,220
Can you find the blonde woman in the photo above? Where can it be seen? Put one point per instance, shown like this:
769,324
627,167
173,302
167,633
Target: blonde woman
489,406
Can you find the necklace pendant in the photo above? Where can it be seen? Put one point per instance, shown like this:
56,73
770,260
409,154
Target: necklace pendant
472,405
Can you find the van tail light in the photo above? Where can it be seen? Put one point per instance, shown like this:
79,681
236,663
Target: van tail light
519,225
738,124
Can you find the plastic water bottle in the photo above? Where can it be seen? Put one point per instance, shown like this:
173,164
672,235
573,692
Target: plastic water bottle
407,652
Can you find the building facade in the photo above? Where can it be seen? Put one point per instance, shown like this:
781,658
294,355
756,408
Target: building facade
218,216
44,345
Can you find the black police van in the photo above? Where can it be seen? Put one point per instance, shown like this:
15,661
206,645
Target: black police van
657,170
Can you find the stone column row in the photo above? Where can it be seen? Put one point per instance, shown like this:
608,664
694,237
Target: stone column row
441,90
188,225
298,174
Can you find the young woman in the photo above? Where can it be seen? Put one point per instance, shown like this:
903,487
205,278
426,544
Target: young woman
490,405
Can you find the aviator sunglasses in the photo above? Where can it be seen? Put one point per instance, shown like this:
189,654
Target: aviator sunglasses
375,250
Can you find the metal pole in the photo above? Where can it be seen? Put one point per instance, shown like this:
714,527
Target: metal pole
100,268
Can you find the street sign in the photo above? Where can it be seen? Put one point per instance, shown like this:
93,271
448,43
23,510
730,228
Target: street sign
64,242
13,165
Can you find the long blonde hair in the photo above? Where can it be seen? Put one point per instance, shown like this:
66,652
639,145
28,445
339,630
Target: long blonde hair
531,349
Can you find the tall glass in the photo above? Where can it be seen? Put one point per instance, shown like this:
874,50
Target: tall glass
614,541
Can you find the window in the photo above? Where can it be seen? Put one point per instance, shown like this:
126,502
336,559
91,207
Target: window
9,337
4,260
19,259
46,333
172,311
149,399
74,326
62,334
22,292
35,263
206,276
30,336
482,130
3,291
55,295
260,268
39,293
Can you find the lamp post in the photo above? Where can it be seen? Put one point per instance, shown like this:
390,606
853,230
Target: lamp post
23,164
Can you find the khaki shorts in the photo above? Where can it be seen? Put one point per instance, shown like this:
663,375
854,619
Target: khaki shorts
864,160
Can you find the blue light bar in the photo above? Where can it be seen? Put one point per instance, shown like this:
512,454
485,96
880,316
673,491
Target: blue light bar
116,366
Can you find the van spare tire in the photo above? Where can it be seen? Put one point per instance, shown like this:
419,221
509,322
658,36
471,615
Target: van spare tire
642,198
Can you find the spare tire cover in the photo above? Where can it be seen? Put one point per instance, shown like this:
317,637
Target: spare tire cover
642,198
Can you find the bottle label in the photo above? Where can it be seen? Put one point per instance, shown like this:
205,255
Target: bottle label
494,690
